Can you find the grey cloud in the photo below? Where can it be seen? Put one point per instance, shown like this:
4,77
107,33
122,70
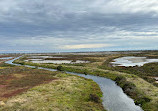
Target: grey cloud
76,22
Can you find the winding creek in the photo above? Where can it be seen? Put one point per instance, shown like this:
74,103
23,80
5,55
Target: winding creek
114,99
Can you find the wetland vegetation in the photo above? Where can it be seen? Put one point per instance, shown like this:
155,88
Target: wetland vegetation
137,81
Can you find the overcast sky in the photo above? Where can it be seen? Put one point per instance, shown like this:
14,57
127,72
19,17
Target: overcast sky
78,25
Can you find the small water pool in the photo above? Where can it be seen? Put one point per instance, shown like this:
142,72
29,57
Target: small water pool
132,61
43,57
38,60
5,58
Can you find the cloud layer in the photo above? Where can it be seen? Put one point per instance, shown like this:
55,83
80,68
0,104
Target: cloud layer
68,25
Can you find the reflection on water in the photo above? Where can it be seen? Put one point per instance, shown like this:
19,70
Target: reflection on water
56,61
132,61
43,57
6,58
114,99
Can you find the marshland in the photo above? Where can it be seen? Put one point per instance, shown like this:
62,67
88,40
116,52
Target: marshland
105,86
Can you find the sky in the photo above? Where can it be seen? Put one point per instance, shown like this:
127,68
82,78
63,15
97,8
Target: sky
78,25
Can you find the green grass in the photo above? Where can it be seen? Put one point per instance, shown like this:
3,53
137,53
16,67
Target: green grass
2,67
68,93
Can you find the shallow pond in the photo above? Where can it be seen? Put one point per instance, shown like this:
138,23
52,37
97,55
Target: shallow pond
132,61
6,58
114,99
43,57
56,61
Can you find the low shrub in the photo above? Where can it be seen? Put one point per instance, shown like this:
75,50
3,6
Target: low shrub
60,68
94,97
131,90
142,100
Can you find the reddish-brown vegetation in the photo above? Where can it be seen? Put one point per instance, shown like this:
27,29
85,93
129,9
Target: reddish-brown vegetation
16,80
13,93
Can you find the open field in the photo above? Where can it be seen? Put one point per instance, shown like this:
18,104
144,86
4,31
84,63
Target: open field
26,89
137,82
